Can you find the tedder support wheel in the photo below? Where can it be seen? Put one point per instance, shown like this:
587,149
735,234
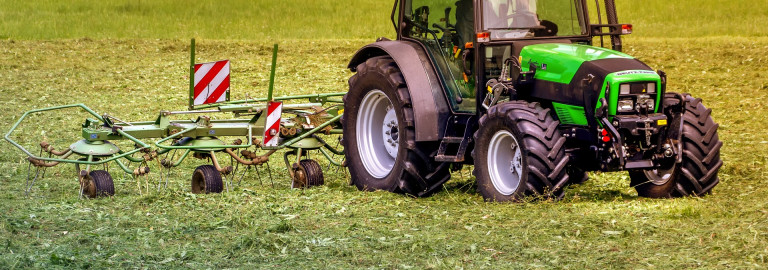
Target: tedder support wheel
379,136
206,179
697,174
518,153
99,183
307,173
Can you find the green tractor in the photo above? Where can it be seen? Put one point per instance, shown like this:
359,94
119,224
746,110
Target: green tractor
517,89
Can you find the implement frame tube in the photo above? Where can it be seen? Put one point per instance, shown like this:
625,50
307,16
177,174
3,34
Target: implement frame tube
89,110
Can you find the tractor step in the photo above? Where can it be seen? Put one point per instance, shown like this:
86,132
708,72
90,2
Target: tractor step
450,141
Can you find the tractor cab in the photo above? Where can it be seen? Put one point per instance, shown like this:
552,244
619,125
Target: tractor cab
459,44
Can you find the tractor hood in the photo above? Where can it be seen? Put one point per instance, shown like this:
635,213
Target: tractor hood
561,70
560,62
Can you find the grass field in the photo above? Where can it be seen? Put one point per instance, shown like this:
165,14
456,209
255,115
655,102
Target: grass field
133,75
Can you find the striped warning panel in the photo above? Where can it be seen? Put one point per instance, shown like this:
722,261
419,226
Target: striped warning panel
272,125
211,82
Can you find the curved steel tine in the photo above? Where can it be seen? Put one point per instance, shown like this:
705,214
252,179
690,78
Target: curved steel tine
258,175
269,170
32,183
247,168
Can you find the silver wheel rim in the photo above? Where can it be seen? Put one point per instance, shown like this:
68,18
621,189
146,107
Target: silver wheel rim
377,134
505,162
660,176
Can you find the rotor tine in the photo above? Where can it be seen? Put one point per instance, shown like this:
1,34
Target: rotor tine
269,170
258,175
82,187
29,169
247,167
45,169
31,184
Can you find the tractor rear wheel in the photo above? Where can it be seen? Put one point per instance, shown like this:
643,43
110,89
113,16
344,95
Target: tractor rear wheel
519,153
206,179
697,174
379,135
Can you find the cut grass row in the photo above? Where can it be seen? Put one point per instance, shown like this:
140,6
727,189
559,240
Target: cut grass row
601,224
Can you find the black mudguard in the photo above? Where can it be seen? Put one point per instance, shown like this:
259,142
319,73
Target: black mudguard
430,106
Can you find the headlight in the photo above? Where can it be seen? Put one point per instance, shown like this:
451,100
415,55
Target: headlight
626,105
637,88
651,88
624,89
647,100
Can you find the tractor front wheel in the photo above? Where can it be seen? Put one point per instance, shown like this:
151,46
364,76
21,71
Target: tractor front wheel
519,153
697,174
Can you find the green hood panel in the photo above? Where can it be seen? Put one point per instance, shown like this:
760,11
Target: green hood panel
557,62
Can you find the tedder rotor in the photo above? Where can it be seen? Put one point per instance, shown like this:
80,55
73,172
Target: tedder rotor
300,132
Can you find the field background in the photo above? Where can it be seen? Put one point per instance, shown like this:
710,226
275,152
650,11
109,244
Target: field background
128,58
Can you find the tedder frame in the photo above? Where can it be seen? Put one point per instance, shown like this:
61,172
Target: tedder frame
300,133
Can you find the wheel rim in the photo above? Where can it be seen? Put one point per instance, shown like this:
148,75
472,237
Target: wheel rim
505,162
198,182
377,134
660,176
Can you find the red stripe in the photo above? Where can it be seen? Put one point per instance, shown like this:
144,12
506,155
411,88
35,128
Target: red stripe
272,106
267,136
223,86
209,77
197,66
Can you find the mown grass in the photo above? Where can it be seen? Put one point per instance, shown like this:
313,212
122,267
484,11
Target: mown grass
107,54
325,19
601,224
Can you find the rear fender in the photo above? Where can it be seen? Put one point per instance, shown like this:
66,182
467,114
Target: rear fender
432,111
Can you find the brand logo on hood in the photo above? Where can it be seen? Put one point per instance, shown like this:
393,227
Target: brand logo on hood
635,72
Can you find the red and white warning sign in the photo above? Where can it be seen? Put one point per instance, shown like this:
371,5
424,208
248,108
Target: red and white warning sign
272,125
211,82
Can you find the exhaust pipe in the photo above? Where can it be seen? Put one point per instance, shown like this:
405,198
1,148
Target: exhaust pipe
610,11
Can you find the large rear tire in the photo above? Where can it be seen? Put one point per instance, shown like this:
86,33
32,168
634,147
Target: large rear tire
379,135
697,174
519,153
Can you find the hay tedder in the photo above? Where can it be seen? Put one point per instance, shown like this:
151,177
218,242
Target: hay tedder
300,132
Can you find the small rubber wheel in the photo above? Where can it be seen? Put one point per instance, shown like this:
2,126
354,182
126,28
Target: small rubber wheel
206,179
99,184
308,173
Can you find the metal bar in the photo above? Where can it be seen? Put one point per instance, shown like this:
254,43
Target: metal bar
192,112
192,74
157,143
130,158
121,132
125,168
183,156
330,159
272,74
308,96
23,116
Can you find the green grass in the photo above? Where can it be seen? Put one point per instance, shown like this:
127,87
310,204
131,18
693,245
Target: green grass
325,19
129,59
599,224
